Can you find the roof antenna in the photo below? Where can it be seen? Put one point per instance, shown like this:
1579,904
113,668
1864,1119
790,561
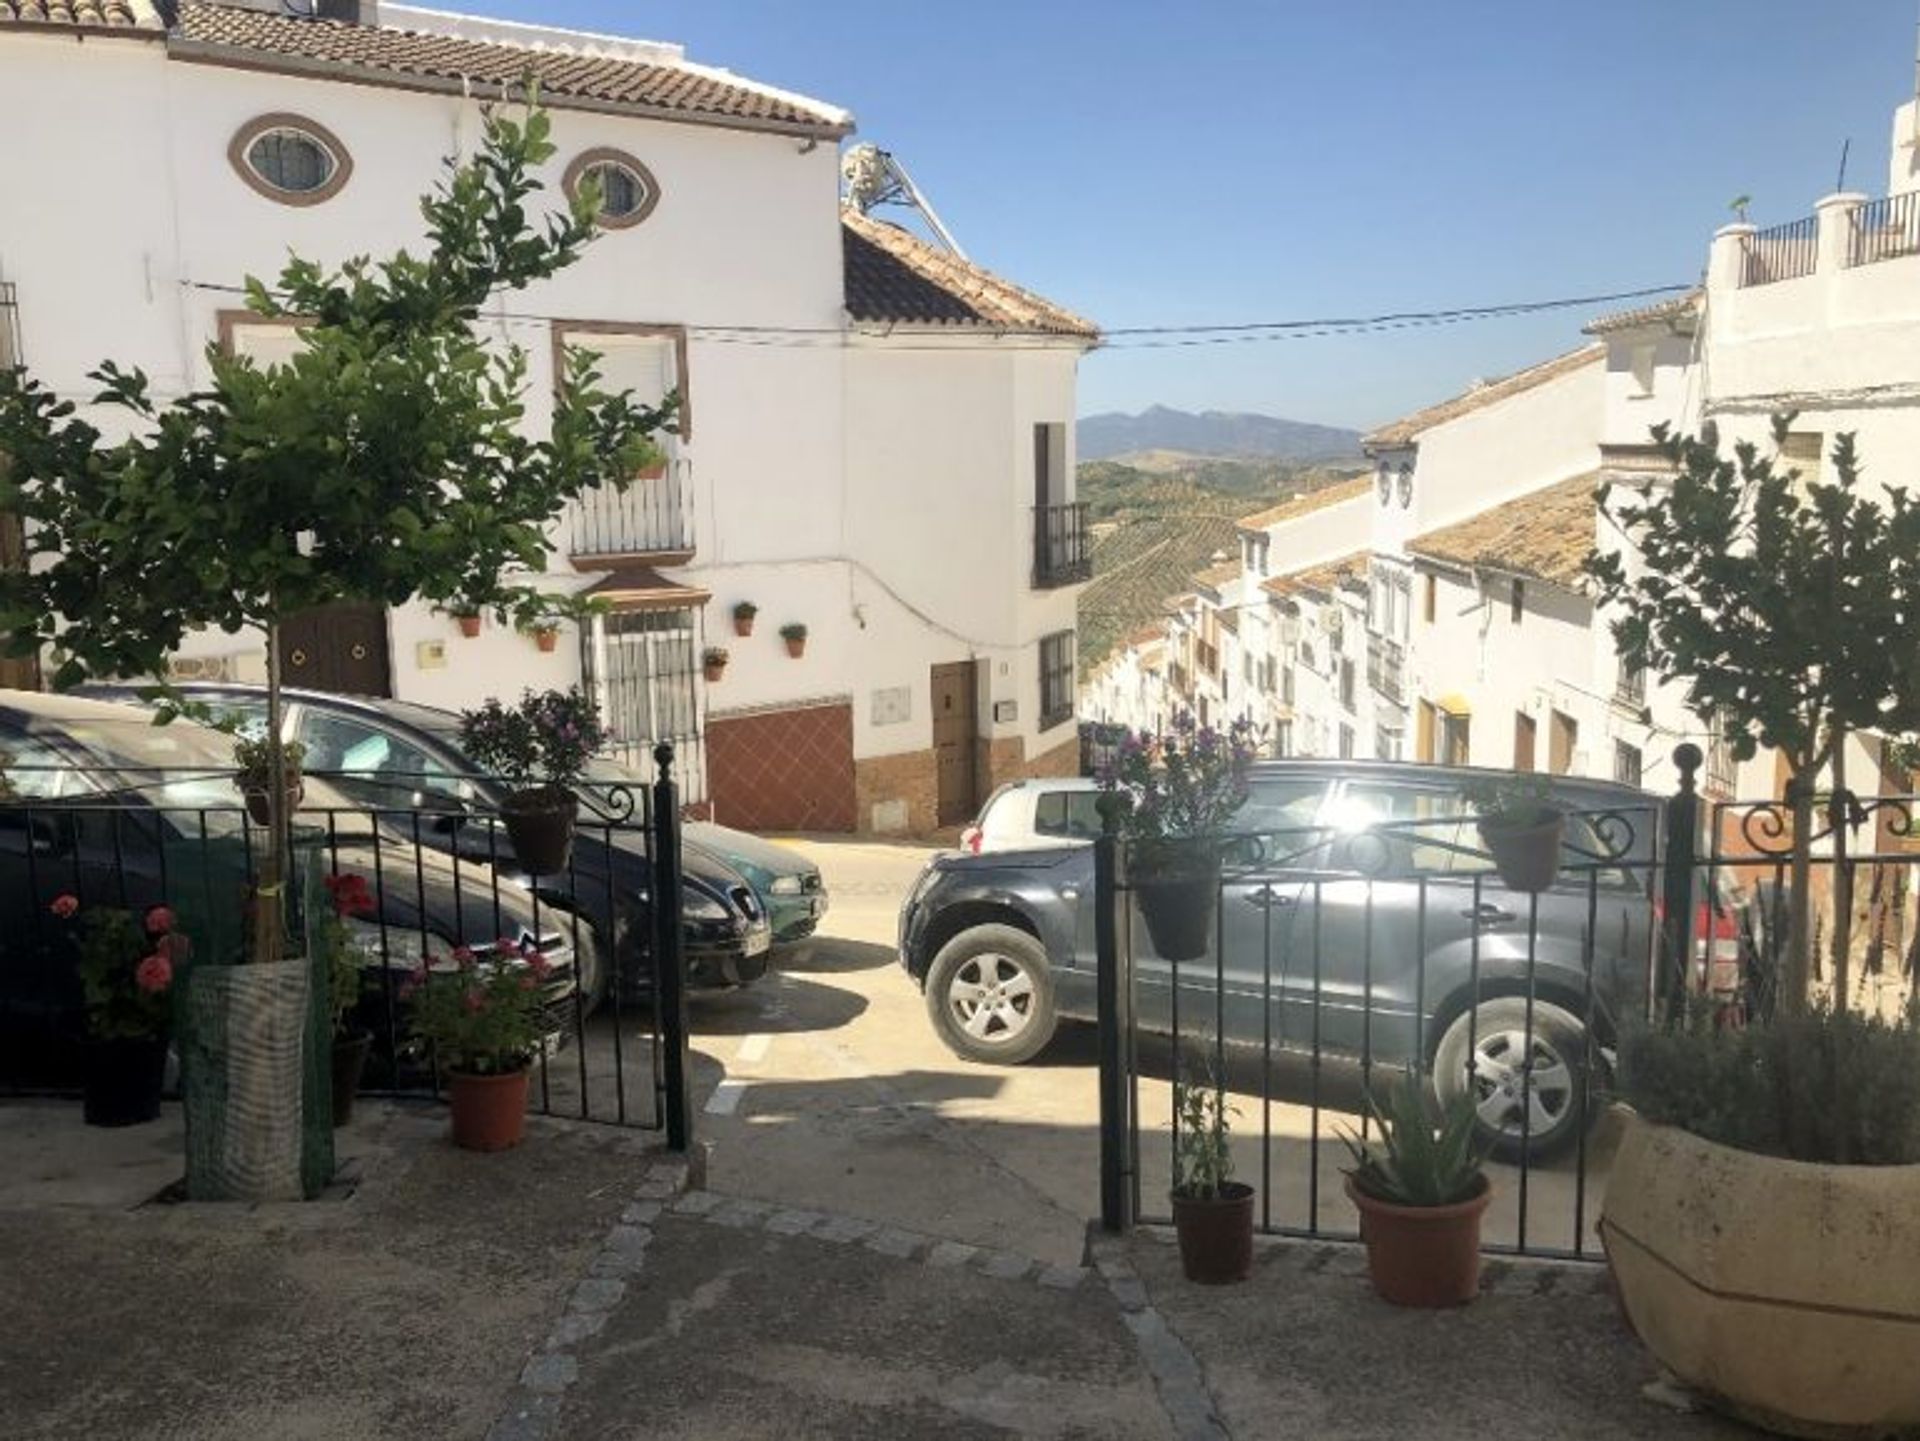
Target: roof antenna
1841,184
873,177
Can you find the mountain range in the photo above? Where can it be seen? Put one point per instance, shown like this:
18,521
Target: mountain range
1212,432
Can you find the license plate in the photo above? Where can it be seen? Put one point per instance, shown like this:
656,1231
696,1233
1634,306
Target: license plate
758,942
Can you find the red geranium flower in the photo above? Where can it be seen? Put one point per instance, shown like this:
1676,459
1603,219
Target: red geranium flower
463,957
350,894
476,1001
159,921
64,906
154,974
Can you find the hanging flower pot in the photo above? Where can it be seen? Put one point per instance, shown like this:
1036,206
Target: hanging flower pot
540,823
469,623
1521,828
489,1113
1177,886
796,638
255,780
123,1079
1215,1234
652,472
260,812
713,664
743,615
546,637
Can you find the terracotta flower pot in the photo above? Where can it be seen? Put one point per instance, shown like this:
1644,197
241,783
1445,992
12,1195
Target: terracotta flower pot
489,1112
469,625
713,670
1527,853
123,1079
540,824
1422,1255
796,646
547,639
743,625
651,472
349,1063
256,797
1216,1234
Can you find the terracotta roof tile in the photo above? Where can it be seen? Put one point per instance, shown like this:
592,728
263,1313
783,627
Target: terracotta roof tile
116,14
1215,576
1306,504
894,276
1678,307
1544,535
1322,577
660,88
1403,431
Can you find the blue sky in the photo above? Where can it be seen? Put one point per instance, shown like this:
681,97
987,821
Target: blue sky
1208,161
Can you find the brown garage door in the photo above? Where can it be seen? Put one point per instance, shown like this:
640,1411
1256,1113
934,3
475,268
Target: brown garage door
783,770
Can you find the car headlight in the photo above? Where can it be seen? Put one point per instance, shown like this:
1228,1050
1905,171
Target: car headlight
787,886
403,948
701,906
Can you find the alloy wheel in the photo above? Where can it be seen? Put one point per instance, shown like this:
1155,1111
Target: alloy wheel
1519,1090
991,997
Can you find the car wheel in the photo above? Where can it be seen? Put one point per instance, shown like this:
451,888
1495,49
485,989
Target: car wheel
990,994
1485,1054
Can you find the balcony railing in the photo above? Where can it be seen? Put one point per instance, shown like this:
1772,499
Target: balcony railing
1781,252
1060,553
1885,229
1630,688
1387,668
651,517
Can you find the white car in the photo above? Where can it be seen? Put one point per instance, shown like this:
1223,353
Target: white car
1036,815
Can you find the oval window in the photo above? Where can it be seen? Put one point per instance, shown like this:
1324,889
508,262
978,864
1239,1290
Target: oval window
628,191
290,159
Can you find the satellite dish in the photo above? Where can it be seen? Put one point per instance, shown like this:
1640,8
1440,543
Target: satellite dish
874,178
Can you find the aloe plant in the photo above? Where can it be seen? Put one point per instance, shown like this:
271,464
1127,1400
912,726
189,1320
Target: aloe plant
1424,1155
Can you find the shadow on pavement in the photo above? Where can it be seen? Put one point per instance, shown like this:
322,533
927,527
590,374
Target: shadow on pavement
834,956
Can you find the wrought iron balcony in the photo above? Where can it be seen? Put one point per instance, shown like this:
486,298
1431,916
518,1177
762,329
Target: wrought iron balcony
1784,252
1387,668
1060,552
1886,229
653,517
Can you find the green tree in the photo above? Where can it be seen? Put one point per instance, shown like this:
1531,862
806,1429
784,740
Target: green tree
1788,607
386,460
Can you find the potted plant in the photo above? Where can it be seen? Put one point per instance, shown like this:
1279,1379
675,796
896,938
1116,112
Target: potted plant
1178,793
254,779
126,979
1421,1190
469,622
1762,1218
795,635
483,1016
545,636
713,662
743,614
1521,826
347,895
539,747
1212,1214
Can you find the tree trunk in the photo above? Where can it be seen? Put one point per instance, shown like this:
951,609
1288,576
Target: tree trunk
1839,812
269,892
1792,997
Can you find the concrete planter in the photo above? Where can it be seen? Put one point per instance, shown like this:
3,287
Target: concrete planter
1788,1292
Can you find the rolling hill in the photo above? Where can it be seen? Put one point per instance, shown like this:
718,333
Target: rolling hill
1213,433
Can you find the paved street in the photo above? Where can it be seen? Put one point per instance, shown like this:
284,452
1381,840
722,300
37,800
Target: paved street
827,1087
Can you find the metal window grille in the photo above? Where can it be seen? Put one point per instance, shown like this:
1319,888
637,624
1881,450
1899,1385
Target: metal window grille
641,665
1056,678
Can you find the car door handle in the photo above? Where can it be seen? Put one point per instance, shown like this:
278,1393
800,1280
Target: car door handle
1267,896
1486,913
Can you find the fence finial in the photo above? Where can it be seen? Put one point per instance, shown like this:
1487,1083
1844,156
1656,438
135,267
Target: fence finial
663,758
1687,756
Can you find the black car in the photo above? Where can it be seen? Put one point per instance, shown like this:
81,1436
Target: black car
400,758
98,803
1359,916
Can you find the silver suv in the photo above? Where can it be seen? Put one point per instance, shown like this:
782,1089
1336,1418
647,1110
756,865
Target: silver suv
1359,917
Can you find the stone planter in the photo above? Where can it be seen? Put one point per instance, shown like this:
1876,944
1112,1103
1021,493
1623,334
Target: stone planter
1787,1292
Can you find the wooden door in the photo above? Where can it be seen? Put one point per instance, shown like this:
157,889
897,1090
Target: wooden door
1423,732
955,729
23,672
1524,734
1563,740
339,648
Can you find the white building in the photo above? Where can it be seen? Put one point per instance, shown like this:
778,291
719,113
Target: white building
875,437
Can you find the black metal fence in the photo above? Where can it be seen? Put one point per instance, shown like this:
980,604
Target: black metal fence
1342,954
1885,229
1780,252
608,930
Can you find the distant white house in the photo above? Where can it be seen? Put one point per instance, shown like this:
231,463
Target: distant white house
875,438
